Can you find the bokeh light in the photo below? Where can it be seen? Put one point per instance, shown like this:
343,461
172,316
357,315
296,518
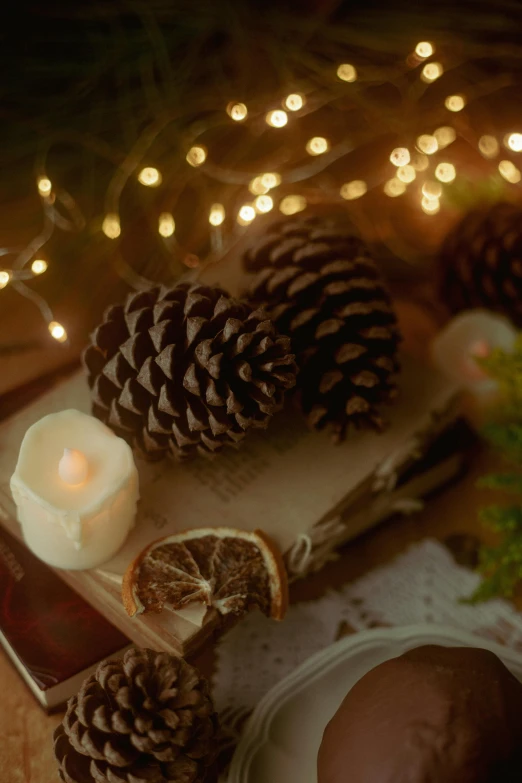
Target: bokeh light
354,189
400,156
488,146
294,102
347,72
427,144
111,225
290,205
39,266
394,187
166,224
317,145
455,102
216,215
57,331
197,155
277,118
150,177
424,49
445,172
237,111
431,72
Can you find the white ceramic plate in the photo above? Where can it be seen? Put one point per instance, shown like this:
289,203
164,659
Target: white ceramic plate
282,737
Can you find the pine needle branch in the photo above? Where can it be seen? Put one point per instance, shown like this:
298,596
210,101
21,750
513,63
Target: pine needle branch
501,565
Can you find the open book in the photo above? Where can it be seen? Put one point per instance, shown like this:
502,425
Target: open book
308,494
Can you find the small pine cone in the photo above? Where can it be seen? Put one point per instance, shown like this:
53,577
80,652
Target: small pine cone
481,262
187,370
145,719
319,285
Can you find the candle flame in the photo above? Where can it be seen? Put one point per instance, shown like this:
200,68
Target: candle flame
73,467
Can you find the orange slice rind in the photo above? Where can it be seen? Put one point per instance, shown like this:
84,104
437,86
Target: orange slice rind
231,570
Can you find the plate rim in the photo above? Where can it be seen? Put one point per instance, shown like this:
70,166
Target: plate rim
256,729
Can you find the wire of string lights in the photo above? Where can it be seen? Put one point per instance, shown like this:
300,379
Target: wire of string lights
420,164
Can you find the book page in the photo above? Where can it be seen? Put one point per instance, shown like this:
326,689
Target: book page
283,480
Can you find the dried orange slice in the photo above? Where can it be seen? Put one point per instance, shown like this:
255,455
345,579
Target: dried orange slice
232,570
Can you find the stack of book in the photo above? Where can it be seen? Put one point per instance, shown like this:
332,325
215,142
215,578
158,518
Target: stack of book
52,635
309,495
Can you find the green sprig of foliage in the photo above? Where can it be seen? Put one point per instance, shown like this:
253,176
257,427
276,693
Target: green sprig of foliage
501,565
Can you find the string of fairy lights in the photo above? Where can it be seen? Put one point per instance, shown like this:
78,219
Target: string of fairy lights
420,165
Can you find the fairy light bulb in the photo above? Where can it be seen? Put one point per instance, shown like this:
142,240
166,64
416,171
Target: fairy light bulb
39,266
354,189
400,156
431,72
111,225
290,205
432,190
445,172
317,145
277,118
424,49
347,72
445,136
237,111
4,278
514,142
57,331
246,214
44,186
196,155
420,162
430,205
270,179
455,102
264,203
216,215
509,171
488,146
294,102
166,225
256,187
394,187
150,177
427,144
406,174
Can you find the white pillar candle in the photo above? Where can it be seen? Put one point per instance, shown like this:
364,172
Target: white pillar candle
76,488
470,336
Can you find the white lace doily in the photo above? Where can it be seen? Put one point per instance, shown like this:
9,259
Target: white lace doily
421,586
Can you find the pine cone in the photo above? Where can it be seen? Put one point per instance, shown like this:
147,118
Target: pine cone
481,262
319,285
145,719
186,370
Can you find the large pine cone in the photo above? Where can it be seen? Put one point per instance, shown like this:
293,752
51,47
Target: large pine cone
481,262
145,719
319,285
187,370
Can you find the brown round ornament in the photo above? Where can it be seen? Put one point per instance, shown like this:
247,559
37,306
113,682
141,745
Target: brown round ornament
432,715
